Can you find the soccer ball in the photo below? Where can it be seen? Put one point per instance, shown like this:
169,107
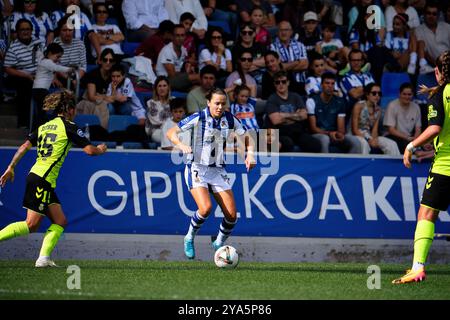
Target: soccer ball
226,257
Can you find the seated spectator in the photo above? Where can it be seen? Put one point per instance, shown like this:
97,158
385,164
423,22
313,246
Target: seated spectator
241,75
286,112
171,61
44,77
314,81
401,7
176,8
262,34
245,7
95,101
433,38
158,108
243,108
196,98
402,44
403,118
124,98
178,112
273,65
353,83
143,18
152,46
74,51
191,42
246,41
215,54
326,115
366,120
21,61
109,35
309,33
32,11
84,30
332,49
292,53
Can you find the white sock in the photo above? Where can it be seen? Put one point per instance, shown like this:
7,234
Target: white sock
413,58
417,266
423,62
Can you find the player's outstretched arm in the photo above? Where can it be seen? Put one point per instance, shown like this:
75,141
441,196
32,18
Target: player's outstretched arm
429,134
9,172
95,150
172,135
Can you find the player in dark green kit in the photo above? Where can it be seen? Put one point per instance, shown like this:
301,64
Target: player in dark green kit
436,195
53,140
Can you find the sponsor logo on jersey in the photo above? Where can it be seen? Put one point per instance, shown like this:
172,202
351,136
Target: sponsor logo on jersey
431,112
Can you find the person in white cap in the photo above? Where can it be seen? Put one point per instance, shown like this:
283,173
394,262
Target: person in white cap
309,34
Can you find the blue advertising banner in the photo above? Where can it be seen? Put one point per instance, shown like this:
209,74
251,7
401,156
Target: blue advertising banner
287,196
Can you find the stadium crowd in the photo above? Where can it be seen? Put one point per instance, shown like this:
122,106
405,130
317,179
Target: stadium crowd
316,70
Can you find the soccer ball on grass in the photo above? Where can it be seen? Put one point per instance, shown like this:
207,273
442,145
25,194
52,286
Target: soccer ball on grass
226,257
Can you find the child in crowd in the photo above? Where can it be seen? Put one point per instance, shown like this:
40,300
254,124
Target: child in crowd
243,107
178,110
262,34
332,49
313,82
126,102
45,73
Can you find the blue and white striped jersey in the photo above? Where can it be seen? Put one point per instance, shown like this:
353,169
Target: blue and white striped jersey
85,23
246,114
41,25
210,135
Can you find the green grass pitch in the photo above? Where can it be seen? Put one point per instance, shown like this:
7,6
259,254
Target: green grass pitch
131,279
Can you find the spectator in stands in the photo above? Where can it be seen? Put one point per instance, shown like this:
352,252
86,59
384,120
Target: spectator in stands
402,44
353,83
178,112
109,35
286,112
243,108
292,53
326,116
241,75
125,100
158,108
262,35
171,61
44,77
74,51
222,10
215,54
143,18
309,33
31,10
358,13
403,118
366,120
245,7
176,8
403,7
191,42
314,81
274,65
21,61
95,101
333,50
84,30
196,98
246,41
433,38
152,46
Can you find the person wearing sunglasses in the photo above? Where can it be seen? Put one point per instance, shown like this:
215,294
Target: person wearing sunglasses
32,11
433,37
242,75
366,122
286,112
403,118
109,35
